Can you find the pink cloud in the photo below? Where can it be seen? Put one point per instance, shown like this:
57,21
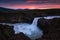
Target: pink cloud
33,6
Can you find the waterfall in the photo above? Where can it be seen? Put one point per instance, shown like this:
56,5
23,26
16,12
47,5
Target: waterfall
30,30
35,21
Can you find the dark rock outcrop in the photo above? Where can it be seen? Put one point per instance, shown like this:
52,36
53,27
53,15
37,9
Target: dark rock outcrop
21,36
52,30
6,32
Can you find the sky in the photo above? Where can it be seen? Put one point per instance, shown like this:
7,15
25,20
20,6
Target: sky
30,4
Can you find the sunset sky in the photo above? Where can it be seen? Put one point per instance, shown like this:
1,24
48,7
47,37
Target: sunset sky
30,4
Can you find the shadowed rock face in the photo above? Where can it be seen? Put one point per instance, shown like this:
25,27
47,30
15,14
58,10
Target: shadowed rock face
6,32
21,36
51,29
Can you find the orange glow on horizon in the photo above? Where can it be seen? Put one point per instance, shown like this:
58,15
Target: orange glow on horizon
41,6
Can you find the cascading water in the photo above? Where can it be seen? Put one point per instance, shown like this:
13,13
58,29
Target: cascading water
51,17
30,30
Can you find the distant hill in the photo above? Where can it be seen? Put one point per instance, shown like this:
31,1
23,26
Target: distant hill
44,11
25,14
6,9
